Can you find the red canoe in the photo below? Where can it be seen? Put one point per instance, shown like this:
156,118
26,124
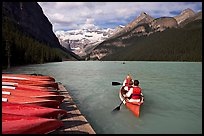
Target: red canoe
18,124
34,94
11,88
32,110
33,83
135,108
27,87
31,77
30,100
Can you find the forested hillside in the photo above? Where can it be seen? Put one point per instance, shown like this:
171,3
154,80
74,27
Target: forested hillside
23,49
176,44
27,36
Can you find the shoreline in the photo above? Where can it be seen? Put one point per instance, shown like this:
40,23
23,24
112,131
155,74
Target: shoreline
74,122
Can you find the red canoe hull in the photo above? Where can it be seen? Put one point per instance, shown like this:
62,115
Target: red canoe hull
17,124
28,91
31,100
32,110
135,108
34,94
28,87
33,83
31,77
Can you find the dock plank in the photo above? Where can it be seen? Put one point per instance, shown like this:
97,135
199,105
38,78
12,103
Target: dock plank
74,122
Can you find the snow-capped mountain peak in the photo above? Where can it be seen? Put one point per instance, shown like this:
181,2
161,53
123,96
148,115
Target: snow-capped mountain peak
78,40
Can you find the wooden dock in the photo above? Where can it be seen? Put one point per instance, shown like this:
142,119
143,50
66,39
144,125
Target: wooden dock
74,122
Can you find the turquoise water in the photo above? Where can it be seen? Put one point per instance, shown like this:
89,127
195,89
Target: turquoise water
172,90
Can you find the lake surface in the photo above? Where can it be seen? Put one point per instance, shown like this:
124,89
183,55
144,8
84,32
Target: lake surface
172,90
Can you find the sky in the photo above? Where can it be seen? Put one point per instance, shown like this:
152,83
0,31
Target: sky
78,15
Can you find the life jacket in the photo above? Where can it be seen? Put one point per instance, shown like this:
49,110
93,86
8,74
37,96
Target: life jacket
136,92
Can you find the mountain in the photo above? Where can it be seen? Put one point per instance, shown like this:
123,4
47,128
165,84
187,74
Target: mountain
83,41
163,38
185,14
26,20
80,41
196,16
182,44
29,16
141,19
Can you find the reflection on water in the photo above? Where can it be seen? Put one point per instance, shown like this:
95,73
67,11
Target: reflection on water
172,90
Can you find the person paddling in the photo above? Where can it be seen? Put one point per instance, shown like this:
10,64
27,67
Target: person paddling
134,94
127,80
129,86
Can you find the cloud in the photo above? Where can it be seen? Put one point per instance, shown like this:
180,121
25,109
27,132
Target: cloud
74,15
89,24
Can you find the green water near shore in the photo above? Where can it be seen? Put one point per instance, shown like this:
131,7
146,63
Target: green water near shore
172,90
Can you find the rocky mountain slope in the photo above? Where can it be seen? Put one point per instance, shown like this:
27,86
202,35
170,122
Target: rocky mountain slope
23,22
181,44
29,16
141,19
143,27
187,13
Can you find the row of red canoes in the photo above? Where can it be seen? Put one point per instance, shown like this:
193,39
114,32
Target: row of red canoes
30,104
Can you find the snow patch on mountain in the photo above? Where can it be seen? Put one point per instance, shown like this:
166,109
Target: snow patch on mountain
79,40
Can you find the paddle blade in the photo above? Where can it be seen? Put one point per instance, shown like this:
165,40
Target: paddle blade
117,108
116,83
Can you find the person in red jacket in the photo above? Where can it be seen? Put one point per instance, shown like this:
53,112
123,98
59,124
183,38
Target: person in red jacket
135,93
126,88
129,86
127,80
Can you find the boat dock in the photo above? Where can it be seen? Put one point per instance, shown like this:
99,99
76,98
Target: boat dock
74,122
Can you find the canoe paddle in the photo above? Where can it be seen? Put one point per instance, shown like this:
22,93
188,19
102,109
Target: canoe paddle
116,83
118,108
